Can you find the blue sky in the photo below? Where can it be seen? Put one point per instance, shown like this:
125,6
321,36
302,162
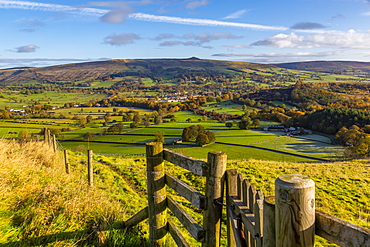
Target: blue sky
42,33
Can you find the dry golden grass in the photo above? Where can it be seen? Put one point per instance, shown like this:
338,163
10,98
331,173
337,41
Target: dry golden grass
41,205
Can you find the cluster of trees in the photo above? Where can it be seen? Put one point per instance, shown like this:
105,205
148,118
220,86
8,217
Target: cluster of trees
198,134
331,119
355,139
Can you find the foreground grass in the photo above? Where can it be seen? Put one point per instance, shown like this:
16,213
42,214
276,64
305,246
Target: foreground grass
40,205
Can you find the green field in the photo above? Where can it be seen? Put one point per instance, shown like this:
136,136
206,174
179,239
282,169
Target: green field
130,141
17,100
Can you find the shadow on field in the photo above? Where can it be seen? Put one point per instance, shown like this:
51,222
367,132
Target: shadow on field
309,148
82,238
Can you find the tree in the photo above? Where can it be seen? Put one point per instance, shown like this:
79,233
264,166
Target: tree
211,136
120,127
185,134
158,120
88,119
202,139
159,136
114,129
256,122
229,124
244,124
245,108
88,136
136,119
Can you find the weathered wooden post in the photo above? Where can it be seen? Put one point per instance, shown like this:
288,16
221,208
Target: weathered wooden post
54,142
46,136
66,163
157,202
269,222
90,168
295,211
231,191
214,191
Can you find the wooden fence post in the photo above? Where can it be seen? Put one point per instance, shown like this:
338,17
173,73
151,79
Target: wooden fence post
46,136
295,211
90,168
66,163
269,222
231,191
157,202
54,142
214,191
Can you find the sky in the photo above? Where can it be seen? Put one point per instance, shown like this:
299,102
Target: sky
44,33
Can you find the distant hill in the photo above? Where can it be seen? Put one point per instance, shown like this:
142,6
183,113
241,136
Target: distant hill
101,70
337,67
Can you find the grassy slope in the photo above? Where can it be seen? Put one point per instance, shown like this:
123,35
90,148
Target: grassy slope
41,205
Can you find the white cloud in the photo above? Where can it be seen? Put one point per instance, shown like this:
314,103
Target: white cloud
187,43
121,39
237,46
335,39
278,55
9,4
206,37
163,36
26,49
120,13
117,15
201,22
196,4
236,14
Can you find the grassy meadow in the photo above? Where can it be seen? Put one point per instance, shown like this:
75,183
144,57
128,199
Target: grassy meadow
40,205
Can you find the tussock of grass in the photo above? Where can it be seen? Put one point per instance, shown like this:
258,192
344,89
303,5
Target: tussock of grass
41,205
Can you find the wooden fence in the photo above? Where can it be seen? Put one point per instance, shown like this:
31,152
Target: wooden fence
287,219
159,202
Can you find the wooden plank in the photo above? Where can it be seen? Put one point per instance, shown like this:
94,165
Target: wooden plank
197,167
190,224
340,232
212,216
258,215
137,218
239,241
190,194
177,236
246,185
246,215
231,192
240,185
252,196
